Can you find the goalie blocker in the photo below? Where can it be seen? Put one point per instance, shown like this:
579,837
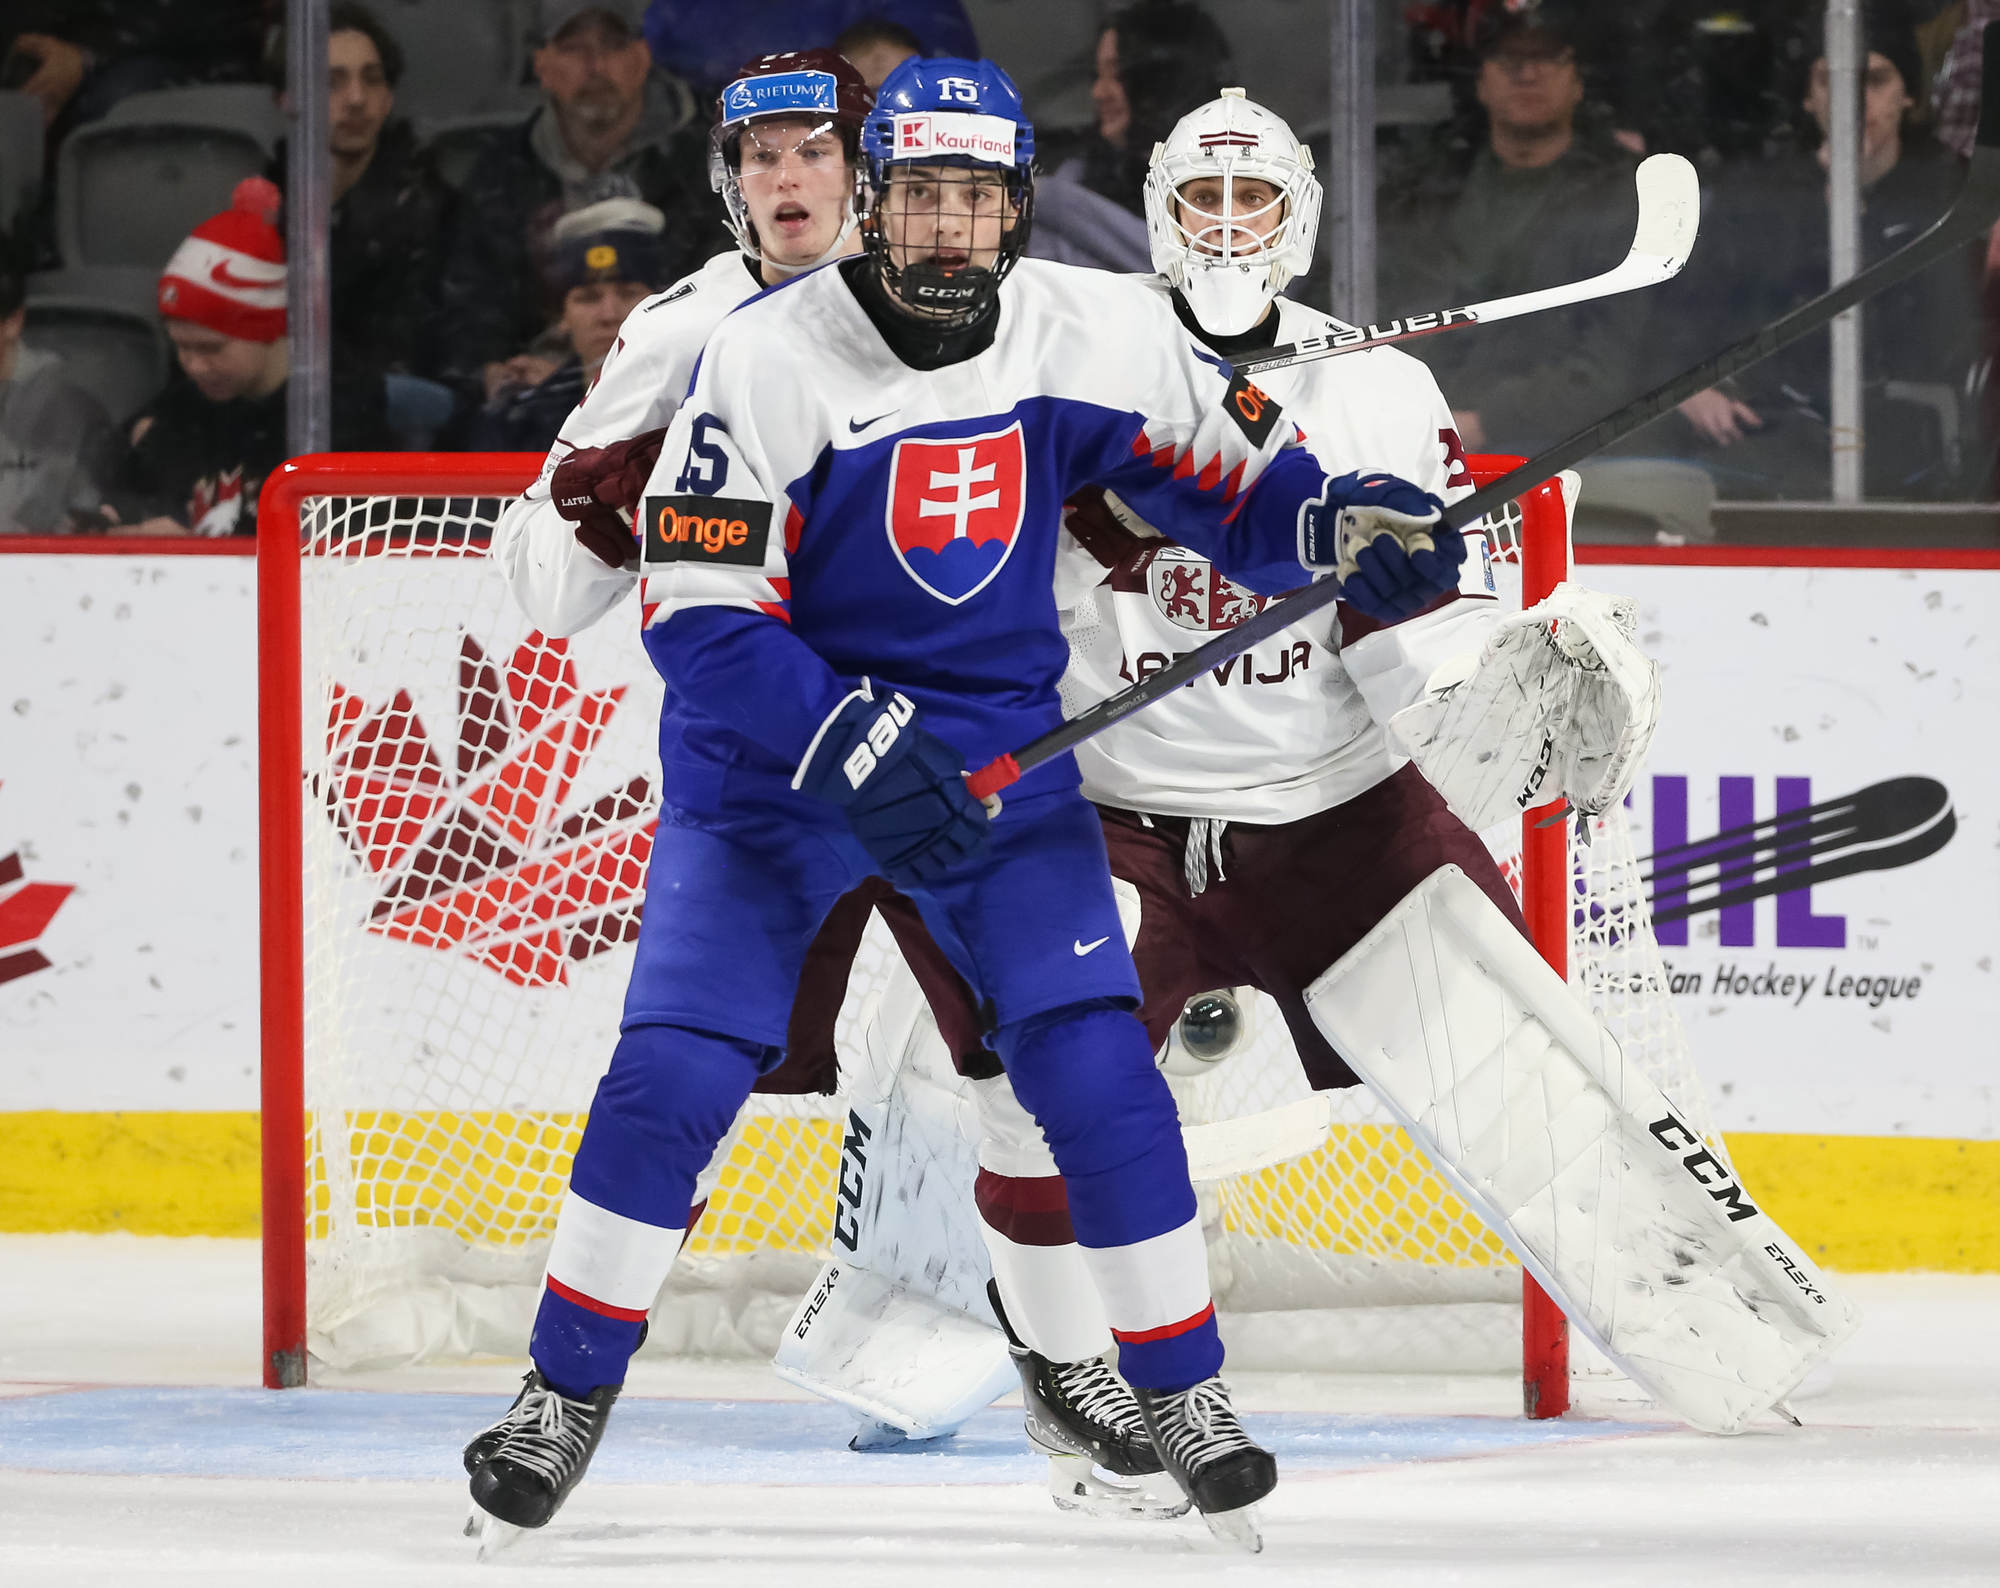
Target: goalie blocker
1527,1106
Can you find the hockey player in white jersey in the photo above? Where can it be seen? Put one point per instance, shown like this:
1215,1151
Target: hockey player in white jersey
784,154
848,551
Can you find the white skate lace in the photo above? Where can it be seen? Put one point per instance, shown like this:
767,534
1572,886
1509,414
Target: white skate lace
1098,1394
545,1433
1201,1425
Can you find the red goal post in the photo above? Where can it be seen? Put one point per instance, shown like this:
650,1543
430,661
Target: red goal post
1538,543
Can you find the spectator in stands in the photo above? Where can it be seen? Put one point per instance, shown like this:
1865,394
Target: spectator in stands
1764,250
56,441
388,219
200,450
703,42
611,127
1156,60
877,47
1535,202
80,57
608,259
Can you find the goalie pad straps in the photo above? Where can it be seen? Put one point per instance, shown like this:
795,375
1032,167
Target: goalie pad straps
1529,1108
1560,702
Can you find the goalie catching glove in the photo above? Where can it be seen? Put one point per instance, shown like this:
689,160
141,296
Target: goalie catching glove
1385,540
598,489
903,788
1560,702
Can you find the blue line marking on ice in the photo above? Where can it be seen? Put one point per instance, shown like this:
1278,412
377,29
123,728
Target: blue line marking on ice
346,1434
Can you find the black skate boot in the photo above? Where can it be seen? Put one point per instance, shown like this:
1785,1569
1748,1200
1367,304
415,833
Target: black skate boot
1082,1417
524,1466
1221,1468
487,1440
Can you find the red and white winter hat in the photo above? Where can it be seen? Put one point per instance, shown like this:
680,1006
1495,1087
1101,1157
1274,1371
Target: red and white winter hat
230,273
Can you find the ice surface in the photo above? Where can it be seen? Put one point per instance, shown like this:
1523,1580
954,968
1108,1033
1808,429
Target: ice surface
135,1449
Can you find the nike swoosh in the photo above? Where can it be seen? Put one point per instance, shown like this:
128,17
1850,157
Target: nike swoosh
223,276
1898,229
1082,948
862,425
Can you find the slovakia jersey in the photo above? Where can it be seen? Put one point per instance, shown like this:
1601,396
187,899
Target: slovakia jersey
903,525
1293,726
559,583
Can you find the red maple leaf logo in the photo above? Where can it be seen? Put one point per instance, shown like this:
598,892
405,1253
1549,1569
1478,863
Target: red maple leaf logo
472,857
26,908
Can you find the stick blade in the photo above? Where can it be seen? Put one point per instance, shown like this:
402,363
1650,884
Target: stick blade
1669,211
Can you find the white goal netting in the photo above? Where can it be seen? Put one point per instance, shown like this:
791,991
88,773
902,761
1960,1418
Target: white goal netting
478,807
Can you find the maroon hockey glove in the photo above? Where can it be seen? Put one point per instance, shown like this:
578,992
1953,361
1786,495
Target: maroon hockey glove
598,488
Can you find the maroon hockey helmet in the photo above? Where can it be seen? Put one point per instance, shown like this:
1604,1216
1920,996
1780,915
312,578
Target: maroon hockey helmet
813,83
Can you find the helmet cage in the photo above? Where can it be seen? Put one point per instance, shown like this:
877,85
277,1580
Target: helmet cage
1225,270
950,295
949,114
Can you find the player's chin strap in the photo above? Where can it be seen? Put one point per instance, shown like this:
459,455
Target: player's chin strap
1591,1175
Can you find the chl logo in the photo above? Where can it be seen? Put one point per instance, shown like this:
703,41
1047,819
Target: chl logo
1805,842
1192,594
955,508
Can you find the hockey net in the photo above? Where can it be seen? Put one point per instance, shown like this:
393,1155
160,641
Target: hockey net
457,821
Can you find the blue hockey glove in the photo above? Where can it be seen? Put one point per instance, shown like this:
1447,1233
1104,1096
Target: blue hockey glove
1384,541
903,788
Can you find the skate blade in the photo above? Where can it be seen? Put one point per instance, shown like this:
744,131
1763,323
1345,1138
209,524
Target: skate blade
1238,1528
1077,1484
495,1536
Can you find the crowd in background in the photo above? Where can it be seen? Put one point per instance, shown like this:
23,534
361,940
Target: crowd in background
481,262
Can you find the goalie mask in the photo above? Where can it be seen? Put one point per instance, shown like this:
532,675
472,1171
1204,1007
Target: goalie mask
950,157
1229,251
816,91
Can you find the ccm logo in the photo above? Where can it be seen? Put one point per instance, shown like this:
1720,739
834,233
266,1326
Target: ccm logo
707,529
1702,1167
847,1207
882,732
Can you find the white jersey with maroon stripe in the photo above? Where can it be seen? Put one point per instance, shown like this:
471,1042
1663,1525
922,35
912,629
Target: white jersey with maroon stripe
639,387
1294,726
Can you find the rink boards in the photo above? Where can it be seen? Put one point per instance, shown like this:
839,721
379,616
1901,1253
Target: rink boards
1843,1026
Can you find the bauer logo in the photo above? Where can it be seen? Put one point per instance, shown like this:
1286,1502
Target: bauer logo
955,509
707,529
1802,844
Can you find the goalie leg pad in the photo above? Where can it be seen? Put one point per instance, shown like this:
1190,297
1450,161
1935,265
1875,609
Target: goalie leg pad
1527,1106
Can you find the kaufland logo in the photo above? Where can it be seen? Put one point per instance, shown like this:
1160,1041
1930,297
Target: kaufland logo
987,138
1802,844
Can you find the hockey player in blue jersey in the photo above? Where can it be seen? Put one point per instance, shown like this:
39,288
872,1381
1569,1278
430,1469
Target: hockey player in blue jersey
847,564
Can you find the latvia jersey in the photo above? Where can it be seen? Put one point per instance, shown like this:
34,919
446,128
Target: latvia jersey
1293,726
903,525
559,583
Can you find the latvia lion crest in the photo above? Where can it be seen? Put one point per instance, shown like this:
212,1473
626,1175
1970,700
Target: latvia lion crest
1191,593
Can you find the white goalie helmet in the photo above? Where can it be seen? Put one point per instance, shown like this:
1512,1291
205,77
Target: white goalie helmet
1226,271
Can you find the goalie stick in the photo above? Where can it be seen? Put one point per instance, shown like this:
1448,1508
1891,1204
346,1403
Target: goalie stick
1972,214
1669,214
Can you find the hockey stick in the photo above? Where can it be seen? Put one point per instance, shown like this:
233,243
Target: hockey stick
1669,213
1972,214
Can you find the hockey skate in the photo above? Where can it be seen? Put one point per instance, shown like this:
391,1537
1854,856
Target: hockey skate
523,1467
1082,1417
1220,1467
